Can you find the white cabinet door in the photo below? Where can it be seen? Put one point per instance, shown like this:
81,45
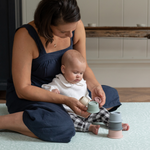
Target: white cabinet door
28,8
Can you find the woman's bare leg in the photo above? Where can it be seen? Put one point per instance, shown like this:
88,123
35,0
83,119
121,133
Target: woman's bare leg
109,108
14,122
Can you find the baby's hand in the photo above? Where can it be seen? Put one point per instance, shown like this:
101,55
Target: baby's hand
56,91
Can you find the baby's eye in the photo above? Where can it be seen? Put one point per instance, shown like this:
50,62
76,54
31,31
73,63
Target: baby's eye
81,73
75,72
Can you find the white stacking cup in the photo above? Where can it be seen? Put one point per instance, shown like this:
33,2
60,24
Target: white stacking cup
84,100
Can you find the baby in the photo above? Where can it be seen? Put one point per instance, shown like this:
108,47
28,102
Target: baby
72,84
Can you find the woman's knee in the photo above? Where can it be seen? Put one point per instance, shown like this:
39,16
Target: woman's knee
50,126
59,133
110,91
112,97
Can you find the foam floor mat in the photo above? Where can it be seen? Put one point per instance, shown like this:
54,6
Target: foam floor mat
137,115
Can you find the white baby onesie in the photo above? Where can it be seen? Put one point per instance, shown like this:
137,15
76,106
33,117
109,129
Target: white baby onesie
65,88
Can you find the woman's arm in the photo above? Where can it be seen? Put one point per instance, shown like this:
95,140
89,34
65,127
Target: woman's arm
24,51
80,45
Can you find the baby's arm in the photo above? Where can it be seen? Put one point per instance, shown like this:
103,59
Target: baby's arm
51,87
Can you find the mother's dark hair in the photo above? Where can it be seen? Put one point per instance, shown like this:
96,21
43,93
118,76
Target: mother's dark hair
54,12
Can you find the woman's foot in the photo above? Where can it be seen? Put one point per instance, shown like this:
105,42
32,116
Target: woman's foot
94,128
125,127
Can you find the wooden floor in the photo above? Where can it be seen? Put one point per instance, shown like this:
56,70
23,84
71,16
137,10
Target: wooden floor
2,96
125,94
134,94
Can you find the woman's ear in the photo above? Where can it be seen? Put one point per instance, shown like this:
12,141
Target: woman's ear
63,69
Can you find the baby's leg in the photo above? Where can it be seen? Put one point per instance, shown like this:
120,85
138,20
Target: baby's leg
94,128
84,124
81,124
101,116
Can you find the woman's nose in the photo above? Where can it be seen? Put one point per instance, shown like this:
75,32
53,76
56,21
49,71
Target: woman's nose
69,34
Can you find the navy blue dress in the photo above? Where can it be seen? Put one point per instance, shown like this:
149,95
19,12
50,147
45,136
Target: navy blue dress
48,121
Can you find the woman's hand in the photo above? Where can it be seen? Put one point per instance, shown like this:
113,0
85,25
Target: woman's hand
98,92
77,107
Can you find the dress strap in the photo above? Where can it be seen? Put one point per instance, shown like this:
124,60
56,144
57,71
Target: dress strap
36,38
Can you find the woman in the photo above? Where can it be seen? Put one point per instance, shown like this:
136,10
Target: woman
36,59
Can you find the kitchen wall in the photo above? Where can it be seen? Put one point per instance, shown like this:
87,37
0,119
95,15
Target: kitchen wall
118,62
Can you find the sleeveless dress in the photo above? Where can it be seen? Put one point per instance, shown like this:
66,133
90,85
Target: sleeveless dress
48,121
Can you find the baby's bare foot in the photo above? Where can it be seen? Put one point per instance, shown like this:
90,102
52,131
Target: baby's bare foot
94,128
125,127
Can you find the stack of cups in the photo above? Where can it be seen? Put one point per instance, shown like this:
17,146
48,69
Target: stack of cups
93,106
115,125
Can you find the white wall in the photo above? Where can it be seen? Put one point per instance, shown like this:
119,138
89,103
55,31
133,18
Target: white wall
119,62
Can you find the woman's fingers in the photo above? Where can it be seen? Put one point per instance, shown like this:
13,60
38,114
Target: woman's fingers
82,110
78,107
98,92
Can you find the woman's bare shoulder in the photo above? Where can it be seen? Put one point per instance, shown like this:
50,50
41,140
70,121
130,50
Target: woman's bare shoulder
80,24
23,42
79,32
23,37
21,33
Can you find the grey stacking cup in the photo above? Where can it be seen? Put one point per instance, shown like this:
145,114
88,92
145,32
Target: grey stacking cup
93,107
115,117
115,126
115,121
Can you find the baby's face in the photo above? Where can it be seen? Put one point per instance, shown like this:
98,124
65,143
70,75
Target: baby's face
74,74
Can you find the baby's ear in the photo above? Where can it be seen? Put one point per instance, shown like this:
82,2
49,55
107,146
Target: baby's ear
63,69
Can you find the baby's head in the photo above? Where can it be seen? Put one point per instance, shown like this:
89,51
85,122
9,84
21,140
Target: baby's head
73,66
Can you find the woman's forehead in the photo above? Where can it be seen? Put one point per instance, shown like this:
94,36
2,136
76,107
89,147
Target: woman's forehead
67,26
